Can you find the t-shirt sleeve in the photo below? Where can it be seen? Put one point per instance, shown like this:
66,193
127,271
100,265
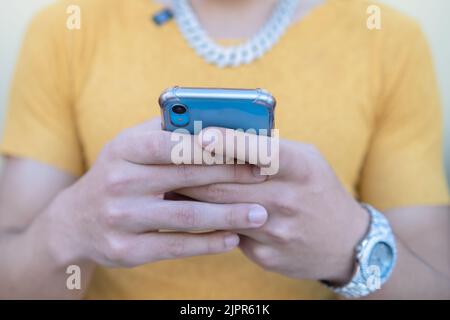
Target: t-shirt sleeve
404,165
40,122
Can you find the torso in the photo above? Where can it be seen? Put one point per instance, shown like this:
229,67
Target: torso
125,66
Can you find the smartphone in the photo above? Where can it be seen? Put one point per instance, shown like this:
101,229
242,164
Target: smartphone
199,108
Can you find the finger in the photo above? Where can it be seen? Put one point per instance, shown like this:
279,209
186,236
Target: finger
182,176
191,216
269,153
230,193
259,150
152,124
139,179
152,247
148,146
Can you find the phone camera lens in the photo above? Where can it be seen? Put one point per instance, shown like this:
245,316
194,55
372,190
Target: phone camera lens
179,109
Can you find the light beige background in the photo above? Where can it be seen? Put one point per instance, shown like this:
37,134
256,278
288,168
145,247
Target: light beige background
434,15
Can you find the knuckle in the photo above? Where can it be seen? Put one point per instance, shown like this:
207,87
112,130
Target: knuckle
286,202
233,215
237,173
264,257
115,148
155,143
214,245
113,214
278,235
116,250
116,182
305,167
216,192
187,216
175,247
187,173
110,149
313,160
242,173
273,202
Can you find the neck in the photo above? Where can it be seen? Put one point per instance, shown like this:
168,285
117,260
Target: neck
237,19
233,18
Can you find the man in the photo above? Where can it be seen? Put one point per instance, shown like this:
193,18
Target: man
86,171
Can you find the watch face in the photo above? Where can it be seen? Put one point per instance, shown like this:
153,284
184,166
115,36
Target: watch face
382,257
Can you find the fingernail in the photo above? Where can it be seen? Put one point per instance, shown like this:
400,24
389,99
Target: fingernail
231,241
257,215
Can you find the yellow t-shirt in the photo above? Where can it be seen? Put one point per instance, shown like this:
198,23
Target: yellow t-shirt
366,98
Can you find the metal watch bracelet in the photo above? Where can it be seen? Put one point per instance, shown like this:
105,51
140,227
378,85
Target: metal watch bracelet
376,256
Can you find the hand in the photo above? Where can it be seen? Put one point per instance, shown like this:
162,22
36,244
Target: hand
112,215
314,224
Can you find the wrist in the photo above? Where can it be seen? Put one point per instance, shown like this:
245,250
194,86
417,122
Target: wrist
376,256
345,267
59,232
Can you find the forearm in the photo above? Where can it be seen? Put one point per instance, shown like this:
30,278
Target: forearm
32,268
413,279
423,264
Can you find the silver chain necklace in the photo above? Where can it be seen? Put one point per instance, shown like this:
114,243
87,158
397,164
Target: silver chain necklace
233,56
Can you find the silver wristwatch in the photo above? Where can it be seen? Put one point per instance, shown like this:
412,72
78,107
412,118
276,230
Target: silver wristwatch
376,255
